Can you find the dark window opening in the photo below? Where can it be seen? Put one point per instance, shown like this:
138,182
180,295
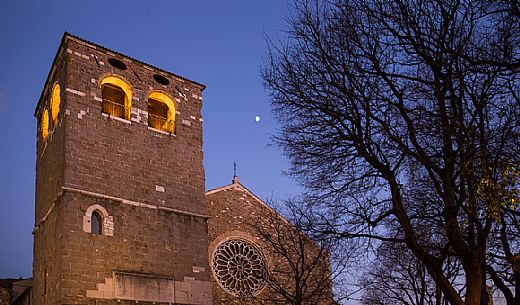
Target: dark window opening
116,63
158,115
161,79
113,100
96,223
45,274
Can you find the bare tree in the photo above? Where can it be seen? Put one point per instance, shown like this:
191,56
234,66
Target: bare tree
398,278
406,114
300,272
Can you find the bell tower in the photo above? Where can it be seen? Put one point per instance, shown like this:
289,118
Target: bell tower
120,215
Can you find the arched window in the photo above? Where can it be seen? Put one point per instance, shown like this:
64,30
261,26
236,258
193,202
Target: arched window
44,125
117,97
55,102
96,223
161,112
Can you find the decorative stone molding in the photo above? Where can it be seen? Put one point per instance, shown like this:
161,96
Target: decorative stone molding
239,266
108,221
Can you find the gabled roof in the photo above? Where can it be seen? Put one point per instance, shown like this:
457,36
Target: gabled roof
67,35
236,185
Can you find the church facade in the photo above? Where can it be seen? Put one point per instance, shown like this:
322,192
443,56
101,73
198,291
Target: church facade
121,214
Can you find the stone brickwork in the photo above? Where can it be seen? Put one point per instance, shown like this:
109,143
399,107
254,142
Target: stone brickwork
151,184
232,209
237,214
4,296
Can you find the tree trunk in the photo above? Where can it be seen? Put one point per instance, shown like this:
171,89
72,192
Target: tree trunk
474,278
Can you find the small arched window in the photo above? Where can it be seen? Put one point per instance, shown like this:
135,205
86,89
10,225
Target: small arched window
96,223
117,97
161,112
44,125
55,102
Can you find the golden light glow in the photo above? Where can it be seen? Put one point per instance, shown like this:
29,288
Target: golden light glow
169,123
44,125
118,81
55,102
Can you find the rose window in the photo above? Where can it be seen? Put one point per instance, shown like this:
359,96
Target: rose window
239,267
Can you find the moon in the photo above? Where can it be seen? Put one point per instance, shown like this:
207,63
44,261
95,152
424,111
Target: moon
257,118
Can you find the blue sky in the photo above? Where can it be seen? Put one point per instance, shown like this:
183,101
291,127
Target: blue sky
218,43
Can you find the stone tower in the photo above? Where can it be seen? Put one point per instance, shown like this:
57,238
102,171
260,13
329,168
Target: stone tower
120,214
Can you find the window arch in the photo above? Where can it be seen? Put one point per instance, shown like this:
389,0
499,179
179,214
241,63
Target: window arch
97,221
117,97
161,112
55,102
44,125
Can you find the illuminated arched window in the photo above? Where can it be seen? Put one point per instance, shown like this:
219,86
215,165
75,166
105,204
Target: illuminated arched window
161,112
44,125
55,102
96,223
117,97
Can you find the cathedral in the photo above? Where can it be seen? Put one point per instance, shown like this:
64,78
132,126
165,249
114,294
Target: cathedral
121,213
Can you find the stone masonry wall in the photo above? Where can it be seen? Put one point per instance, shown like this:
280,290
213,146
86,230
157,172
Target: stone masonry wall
151,184
4,296
127,159
49,180
50,154
146,241
46,263
232,211
235,213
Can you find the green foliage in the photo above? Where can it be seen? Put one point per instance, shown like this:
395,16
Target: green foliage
500,190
